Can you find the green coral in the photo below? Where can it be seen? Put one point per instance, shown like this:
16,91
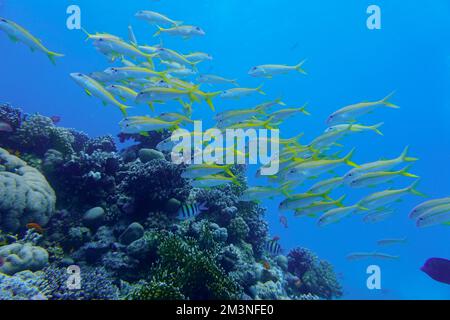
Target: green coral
238,230
185,270
156,290
321,281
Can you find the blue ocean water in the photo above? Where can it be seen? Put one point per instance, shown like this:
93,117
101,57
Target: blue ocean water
346,63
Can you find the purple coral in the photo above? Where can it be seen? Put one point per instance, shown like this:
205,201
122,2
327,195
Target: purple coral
11,115
300,260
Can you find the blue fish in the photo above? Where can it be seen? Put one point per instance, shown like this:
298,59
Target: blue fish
438,269
191,210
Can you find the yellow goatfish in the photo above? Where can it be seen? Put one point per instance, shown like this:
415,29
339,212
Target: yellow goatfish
93,88
18,34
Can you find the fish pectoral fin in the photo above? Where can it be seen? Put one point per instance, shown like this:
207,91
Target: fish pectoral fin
123,99
105,103
88,92
13,39
144,134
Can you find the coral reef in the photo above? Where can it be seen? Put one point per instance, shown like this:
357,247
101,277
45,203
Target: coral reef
113,212
316,276
24,285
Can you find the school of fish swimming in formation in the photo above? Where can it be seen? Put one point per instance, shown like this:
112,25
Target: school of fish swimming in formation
138,80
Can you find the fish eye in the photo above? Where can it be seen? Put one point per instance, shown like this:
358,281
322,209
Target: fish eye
198,28
80,74
3,20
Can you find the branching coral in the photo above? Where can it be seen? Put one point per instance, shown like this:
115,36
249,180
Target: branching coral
193,272
86,180
317,277
150,185
100,144
96,284
10,115
37,134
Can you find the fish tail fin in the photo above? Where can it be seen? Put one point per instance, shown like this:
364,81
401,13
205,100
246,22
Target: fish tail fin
326,195
404,156
86,33
208,98
339,202
227,170
404,172
269,125
203,207
236,181
259,89
160,30
376,128
152,106
286,190
412,189
348,159
124,109
52,55
132,36
235,82
386,102
303,110
295,139
149,58
299,66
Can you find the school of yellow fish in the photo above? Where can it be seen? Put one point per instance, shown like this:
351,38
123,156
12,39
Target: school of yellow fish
150,77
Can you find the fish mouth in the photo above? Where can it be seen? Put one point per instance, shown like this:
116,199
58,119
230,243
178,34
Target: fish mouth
76,75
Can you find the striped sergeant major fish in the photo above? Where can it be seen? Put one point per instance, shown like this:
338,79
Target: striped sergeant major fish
273,247
191,210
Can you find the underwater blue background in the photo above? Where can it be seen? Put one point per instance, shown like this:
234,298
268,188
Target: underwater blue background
347,63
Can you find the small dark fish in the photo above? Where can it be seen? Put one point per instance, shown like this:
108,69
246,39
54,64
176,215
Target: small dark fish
266,265
284,221
438,269
190,210
5,127
295,46
273,247
55,119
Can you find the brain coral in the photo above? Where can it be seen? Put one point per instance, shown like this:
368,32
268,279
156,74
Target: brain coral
22,256
25,195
